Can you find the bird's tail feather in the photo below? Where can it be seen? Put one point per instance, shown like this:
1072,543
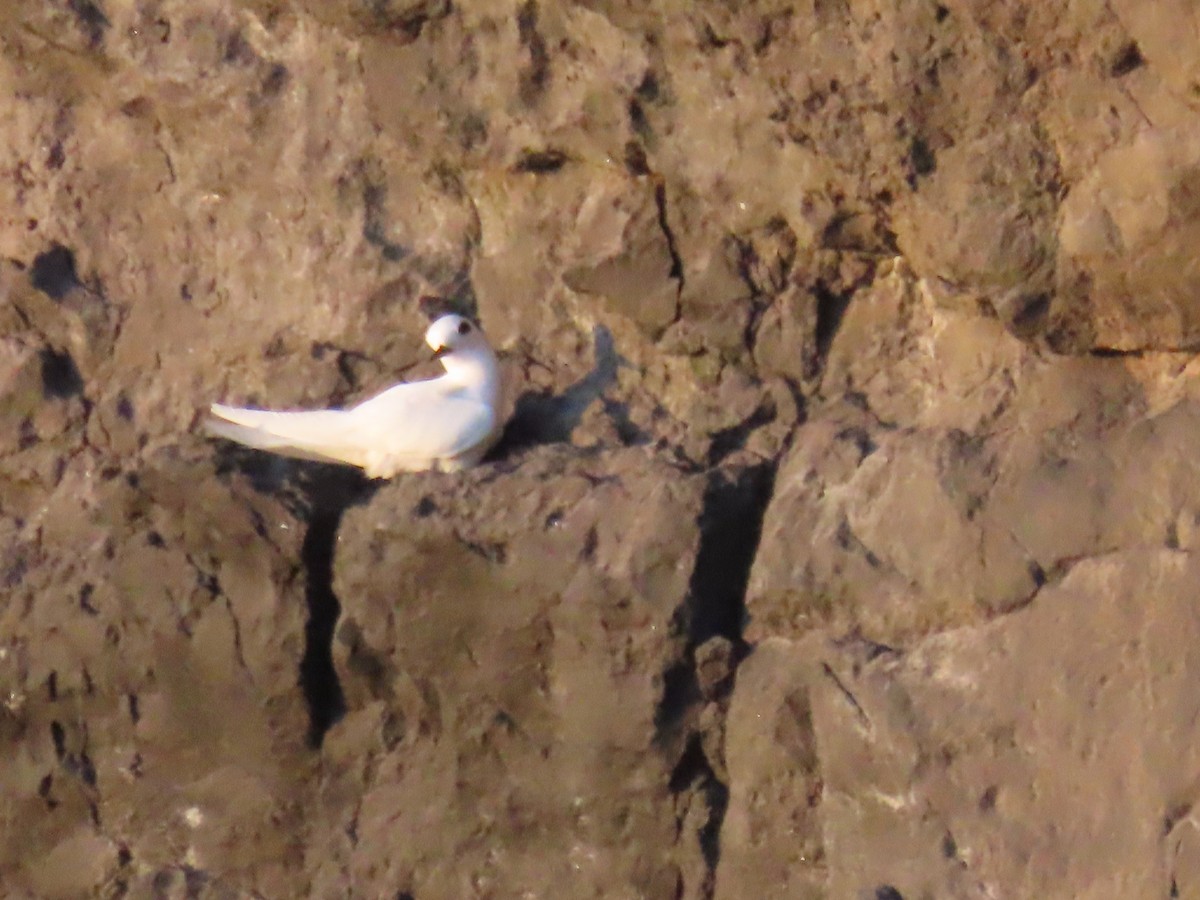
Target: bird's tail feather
317,435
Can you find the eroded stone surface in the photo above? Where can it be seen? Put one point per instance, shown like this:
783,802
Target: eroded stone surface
981,730
917,310
528,616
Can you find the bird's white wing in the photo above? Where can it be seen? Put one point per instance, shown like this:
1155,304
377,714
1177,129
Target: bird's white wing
418,425
323,435
408,427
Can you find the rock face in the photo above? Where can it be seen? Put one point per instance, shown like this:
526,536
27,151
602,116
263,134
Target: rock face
505,663
842,539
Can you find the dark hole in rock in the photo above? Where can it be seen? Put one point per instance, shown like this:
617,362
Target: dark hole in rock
590,542
473,130
87,769
987,800
85,599
1129,59
1037,573
887,892
238,49
680,691
649,88
693,768
541,162
407,20
266,472
194,881
14,572
730,528
125,407
276,79
59,736
537,75
635,159
492,551
91,19
60,377
1030,314
860,438
318,678
56,157
638,119
434,306
831,308
921,160
328,491
53,272
949,846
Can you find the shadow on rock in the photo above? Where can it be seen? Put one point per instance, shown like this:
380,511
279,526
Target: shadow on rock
731,520
543,418
319,494
730,524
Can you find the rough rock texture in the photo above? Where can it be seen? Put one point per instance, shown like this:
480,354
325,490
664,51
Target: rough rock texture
505,659
842,539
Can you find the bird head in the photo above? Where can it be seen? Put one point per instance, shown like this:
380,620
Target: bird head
451,334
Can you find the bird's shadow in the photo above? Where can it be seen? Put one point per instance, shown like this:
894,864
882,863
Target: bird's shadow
541,417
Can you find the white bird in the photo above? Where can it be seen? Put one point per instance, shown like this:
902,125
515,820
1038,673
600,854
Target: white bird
446,423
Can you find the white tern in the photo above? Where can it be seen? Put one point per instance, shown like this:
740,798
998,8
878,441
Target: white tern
446,423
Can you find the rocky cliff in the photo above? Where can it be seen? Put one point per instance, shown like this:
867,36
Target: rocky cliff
841,542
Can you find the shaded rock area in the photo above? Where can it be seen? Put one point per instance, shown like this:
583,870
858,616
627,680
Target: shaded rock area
841,542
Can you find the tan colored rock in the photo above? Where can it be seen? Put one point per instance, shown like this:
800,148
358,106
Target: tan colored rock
984,220
771,840
153,652
529,616
994,732
778,331
1127,236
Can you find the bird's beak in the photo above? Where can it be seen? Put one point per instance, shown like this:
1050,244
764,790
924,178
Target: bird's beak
441,351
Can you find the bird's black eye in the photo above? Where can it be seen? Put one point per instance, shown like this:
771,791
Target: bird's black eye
464,327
